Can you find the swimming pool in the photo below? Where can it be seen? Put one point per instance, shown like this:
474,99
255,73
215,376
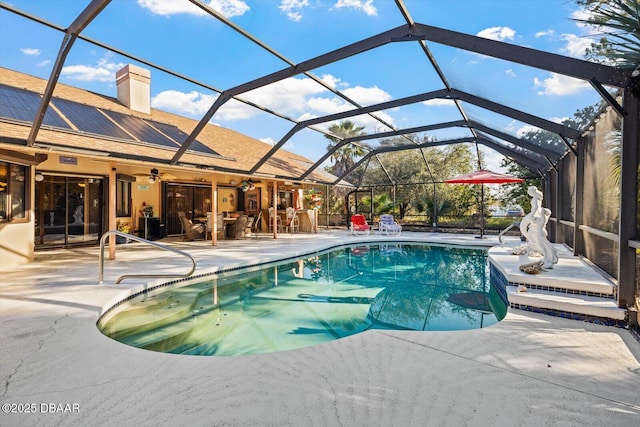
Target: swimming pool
314,299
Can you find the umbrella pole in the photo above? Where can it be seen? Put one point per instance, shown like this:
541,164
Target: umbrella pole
482,211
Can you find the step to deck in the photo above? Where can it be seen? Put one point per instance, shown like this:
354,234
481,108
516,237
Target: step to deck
572,289
571,274
579,307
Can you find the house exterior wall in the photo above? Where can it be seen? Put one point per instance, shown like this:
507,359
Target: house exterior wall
16,243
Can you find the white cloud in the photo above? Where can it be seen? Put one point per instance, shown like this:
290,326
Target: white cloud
576,46
192,103
439,102
497,33
561,85
544,33
364,5
326,106
559,120
367,95
44,63
228,8
510,73
332,81
268,140
236,110
293,8
582,14
297,97
30,51
525,130
286,96
104,71
492,160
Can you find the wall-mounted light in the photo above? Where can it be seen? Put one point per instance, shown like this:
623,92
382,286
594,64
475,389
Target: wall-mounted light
154,177
39,177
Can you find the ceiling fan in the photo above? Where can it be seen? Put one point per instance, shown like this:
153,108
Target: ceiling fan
155,176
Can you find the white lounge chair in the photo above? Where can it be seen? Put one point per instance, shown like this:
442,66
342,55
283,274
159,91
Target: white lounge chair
388,225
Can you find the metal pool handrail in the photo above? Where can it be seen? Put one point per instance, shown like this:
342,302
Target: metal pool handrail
140,239
514,224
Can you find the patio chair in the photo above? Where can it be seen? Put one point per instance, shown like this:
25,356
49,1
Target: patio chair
219,226
389,225
191,231
235,230
256,225
209,225
293,223
359,225
278,221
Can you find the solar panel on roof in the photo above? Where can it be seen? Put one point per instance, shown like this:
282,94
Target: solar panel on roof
20,104
140,129
89,119
177,135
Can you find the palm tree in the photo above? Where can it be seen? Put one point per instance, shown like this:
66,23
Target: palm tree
344,157
619,23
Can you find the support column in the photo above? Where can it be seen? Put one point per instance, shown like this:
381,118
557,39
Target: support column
578,237
112,210
553,205
628,226
274,219
214,210
560,214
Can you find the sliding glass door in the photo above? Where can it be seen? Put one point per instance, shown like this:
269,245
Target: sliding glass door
68,210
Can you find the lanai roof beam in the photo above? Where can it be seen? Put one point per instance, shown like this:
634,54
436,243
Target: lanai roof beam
71,34
577,68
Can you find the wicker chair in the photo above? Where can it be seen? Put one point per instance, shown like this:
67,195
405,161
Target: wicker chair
235,230
191,231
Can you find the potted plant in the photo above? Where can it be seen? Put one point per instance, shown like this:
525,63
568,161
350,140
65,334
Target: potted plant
147,211
124,227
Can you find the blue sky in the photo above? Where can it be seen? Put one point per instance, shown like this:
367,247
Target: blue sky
177,35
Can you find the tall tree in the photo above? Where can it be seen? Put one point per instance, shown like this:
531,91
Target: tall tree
344,158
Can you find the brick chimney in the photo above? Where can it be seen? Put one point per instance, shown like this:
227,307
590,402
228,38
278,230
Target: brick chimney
134,88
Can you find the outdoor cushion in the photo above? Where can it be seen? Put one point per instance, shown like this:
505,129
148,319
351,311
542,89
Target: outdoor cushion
388,225
359,225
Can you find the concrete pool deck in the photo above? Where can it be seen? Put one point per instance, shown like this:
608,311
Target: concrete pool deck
529,369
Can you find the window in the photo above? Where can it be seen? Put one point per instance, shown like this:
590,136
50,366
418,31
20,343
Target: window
123,197
285,200
12,191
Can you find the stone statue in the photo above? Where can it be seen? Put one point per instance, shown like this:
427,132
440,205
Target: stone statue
526,225
534,228
549,253
77,215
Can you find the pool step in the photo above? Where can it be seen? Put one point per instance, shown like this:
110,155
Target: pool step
572,289
579,307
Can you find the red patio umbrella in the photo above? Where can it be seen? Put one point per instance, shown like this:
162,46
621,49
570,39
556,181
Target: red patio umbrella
482,177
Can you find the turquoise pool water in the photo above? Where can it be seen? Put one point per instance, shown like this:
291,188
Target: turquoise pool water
314,299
